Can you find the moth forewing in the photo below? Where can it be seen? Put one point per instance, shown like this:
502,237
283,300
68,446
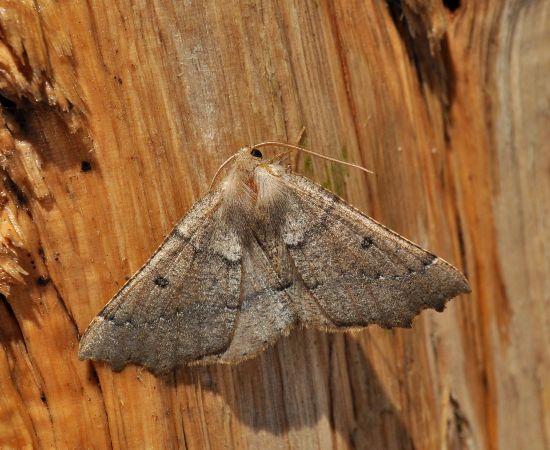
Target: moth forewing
380,278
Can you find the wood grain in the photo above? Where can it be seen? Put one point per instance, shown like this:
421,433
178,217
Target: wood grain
117,114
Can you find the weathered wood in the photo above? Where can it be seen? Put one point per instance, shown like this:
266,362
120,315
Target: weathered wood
117,114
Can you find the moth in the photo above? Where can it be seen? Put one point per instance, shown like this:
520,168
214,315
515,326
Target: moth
265,251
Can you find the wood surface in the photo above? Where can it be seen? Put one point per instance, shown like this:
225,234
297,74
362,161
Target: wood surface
115,116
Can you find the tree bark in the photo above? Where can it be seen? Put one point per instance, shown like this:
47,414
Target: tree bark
116,115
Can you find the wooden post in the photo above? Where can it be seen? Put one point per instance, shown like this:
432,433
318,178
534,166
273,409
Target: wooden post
115,116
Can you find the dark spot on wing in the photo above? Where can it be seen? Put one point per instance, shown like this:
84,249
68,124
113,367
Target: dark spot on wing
367,242
179,235
161,282
283,286
430,259
298,244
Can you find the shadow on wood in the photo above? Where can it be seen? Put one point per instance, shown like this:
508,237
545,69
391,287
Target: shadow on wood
278,391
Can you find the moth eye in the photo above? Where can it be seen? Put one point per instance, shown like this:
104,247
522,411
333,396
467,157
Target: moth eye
256,153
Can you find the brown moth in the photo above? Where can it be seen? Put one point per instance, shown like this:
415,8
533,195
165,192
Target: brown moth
264,252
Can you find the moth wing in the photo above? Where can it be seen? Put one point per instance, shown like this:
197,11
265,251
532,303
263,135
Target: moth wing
356,270
181,306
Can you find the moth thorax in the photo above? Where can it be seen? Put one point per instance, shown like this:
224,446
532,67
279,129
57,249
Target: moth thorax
238,200
270,199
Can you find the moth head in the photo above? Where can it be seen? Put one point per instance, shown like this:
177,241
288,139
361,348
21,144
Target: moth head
248,158
250,153
244,164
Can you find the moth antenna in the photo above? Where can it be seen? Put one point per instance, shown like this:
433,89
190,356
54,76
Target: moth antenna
228,160
286,153
305,150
